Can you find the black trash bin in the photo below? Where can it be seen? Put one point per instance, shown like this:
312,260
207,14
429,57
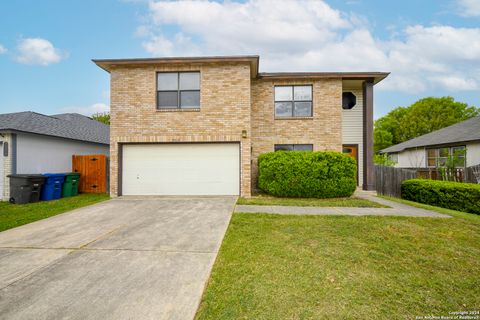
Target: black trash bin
25,188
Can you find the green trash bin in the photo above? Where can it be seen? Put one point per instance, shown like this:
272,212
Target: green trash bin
70,185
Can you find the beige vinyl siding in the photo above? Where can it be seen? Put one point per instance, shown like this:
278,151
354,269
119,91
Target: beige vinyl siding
352,128
473,154
40,154
415,158
412,158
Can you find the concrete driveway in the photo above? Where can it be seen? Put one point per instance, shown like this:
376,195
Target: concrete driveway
128,258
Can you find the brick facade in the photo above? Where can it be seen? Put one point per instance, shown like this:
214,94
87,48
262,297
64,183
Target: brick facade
7,164
231,101
323,129
225,111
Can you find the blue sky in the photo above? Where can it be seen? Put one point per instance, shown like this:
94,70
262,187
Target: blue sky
431,47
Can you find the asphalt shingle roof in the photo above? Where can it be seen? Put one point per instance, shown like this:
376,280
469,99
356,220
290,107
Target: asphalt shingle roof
468,130
66,125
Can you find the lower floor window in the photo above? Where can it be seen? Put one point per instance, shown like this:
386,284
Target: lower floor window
294,147
439,157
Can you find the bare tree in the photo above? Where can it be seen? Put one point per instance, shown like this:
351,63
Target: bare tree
476,172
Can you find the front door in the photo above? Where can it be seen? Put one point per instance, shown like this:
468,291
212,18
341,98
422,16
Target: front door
352,151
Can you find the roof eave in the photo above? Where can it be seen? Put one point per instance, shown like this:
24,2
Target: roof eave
254,60
376,77
436,145
108,64
393,151
8,130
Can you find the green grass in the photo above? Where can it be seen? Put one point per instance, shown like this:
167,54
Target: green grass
341,267
453,213
14,215
264,200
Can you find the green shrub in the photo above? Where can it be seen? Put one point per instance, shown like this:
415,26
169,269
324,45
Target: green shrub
446,194
307,174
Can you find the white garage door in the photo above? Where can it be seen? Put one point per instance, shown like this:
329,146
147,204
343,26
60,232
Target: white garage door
181,169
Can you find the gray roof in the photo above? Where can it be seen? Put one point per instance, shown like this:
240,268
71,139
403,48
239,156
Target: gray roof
66,125
468,130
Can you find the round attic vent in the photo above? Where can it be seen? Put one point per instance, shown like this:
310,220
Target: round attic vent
349,100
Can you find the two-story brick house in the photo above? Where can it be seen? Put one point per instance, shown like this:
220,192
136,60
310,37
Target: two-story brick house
196,126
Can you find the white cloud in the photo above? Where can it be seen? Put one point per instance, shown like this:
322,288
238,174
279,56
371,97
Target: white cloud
142,31
237,27
88,110
434,57
469,8
312,36
456,82
38,51
2,49
160,45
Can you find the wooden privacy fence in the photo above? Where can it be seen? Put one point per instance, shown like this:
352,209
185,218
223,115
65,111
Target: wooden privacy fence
448,174
93,172
468,175
388,180
472,174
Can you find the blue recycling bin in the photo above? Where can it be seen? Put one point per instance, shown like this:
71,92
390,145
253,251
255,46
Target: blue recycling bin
52,188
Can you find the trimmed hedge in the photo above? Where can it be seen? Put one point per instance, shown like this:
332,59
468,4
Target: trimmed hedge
307,174
446,194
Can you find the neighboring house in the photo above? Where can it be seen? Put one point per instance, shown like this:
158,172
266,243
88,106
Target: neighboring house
196,126
35,143
433,149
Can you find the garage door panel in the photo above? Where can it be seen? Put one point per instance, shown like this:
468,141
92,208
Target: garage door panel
181,169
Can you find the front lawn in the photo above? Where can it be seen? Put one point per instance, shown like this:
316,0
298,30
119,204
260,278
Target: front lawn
343,267
14,215
450,212
264,200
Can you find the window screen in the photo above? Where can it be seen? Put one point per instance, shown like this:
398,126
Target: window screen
293,101
178,90
293,147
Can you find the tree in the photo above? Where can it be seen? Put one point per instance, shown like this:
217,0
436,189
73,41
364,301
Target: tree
103,117
448,170
383,139
422,117
384,160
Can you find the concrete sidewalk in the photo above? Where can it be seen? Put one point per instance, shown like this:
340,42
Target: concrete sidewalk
396,209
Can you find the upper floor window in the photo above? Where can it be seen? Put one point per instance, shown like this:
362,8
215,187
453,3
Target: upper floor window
293,101
178,90
438,157
294,147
